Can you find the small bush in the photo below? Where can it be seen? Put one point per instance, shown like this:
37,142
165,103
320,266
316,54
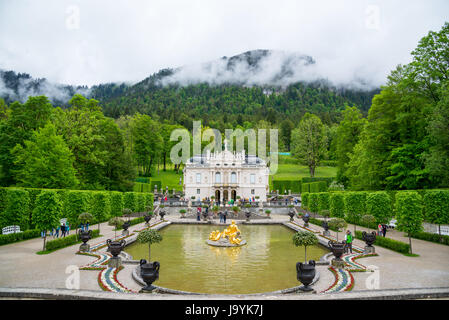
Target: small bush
15,237
66,241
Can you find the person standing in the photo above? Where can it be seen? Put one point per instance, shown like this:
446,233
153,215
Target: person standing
57,232
221,216
225,215
379,230
198,214
384,230
63,230
348,240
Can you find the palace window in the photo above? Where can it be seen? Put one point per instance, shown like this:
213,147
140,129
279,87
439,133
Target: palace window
217,177
233,177
198,178
253,178
198,191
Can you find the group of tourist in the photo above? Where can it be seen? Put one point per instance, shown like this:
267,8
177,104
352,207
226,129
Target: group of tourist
65,230
382,230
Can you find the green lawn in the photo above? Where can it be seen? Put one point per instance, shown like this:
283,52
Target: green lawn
296,172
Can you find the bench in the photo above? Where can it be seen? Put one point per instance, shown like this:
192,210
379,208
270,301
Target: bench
11,229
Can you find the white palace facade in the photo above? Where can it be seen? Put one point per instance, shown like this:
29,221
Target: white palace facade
226,175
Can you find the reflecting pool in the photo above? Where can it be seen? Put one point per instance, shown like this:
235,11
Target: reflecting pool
266,263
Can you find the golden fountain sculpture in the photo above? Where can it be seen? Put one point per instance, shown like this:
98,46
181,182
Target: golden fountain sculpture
228,237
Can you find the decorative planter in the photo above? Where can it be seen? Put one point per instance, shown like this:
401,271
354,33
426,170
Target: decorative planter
248,215
126,226
162,214
306,221
85,236
325,225
369,239
149,273
337,248
305,273
147,219
204,215
291,213
115,247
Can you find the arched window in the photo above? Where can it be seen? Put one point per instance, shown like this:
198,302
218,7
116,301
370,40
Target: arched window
217,177
233,177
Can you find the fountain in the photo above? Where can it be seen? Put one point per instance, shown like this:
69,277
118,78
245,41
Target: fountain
229,237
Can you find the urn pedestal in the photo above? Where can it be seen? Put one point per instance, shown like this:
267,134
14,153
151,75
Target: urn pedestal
305,273
248,215
149,273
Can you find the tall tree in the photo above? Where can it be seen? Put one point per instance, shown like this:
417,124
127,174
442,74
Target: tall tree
348,133
309,142
45,161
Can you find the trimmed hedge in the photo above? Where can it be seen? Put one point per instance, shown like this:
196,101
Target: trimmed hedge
158,183
319,186
387,243
101,206
17,208
140,197
313,202
67,241
130,201
116,200
15,237
285,185
337,205
323,201
354,206
378,204
328,180
305,187
142,187
305,200
432,237
436,206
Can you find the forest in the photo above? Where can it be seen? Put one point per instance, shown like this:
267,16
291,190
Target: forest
393,138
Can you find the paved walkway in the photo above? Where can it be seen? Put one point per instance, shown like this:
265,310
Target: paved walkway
20,266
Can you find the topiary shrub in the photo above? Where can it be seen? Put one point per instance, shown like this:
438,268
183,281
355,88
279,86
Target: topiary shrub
17,208
354,207
304,238
149,236
378,204
409,213
337,205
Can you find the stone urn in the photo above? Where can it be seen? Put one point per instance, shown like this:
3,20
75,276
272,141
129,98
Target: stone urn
325,226
115,247
149,273
369,239
291,213
204,215
337,248
248,215
306,221
162,214
305,273
147,218
85,236
125,227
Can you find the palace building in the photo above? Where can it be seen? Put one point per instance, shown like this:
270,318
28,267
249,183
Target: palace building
226,175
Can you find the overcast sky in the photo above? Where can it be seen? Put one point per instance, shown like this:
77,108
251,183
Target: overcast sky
90,42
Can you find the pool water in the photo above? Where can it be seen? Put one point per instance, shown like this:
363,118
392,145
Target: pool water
266,263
